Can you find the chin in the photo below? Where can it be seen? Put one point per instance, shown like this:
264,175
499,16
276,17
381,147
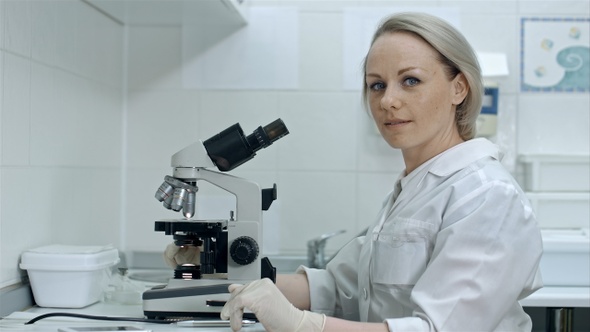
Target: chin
396,144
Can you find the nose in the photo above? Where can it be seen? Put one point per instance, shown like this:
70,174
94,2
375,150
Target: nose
391,99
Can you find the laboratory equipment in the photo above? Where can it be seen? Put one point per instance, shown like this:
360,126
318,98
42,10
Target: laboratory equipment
487,120
230,249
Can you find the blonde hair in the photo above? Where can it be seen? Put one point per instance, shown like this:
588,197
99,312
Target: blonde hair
456,54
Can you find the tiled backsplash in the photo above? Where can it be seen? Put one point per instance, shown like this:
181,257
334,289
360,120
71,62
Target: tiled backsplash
61,131
91,112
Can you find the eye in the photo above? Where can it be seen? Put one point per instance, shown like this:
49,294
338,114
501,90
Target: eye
411,81
377,86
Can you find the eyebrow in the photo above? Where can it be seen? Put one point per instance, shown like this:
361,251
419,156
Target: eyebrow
399,72
403,70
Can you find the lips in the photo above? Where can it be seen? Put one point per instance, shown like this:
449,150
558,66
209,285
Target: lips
396,122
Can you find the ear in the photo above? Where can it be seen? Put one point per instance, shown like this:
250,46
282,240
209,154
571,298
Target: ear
460,89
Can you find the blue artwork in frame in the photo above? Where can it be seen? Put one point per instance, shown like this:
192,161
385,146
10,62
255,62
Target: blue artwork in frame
555,54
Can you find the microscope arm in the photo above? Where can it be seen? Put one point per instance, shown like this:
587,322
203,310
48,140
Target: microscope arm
248,193
225,151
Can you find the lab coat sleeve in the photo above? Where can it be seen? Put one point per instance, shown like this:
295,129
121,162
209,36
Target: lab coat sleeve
333,291
485,258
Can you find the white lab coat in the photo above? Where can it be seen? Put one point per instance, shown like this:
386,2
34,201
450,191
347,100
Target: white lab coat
455,250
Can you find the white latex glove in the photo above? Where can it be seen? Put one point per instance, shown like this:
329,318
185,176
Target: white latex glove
271,308
175,255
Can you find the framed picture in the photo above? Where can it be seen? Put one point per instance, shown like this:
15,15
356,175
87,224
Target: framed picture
555,54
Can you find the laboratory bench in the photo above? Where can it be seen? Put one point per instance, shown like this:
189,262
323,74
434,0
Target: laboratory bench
15,321
555,301
559,309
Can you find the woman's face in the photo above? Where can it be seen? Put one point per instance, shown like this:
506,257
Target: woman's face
411,98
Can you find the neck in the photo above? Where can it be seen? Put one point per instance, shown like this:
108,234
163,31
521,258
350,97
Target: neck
416,156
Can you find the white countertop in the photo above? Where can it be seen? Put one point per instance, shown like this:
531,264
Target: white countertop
546,297
15,321
559,297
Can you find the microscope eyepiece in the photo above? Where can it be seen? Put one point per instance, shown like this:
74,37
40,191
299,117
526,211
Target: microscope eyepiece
265,136
231,148
276,130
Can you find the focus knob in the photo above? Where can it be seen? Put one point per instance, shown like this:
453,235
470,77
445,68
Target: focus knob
244,250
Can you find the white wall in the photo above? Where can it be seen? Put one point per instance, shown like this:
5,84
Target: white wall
332,173
67,171
61,127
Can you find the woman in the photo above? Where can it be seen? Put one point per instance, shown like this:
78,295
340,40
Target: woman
456,244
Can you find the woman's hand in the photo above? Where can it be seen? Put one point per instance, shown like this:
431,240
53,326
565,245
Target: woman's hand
271,308
175,255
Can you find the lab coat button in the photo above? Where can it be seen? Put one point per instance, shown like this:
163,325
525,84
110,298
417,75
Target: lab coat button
365,293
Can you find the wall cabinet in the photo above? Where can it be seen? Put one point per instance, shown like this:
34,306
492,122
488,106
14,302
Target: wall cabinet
173,12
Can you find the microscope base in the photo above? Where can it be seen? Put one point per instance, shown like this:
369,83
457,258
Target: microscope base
198,299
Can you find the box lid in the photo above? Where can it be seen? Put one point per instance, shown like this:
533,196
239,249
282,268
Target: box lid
69,257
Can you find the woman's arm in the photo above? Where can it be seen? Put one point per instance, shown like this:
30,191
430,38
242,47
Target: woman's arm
295,288
337,325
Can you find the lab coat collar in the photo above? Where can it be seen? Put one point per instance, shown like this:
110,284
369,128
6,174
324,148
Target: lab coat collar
461,155
450,161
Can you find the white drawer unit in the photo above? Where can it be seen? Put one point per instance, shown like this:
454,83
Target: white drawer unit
561,210
555,173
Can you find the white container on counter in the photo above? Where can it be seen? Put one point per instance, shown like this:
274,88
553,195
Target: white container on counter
66,276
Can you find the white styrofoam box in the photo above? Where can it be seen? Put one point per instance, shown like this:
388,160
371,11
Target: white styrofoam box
561,210
566,257
556,172
67,276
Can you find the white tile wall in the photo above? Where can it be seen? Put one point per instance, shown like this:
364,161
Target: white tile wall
323,129
313,203
44,31
17,24
161,122
4,264
482,29
556,123
550,8
332,150
61,128
16,110
156,57
63,121
320,31
493,7
66,34
2,25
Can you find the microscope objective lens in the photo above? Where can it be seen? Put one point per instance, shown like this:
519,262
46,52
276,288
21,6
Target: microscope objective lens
189,205
178,199
164,191
168,202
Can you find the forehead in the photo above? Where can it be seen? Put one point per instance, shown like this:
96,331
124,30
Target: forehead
401,47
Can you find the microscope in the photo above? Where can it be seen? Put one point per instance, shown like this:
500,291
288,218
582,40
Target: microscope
230,249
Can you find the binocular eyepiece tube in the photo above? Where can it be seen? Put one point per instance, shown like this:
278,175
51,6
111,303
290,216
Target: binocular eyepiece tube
231,148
